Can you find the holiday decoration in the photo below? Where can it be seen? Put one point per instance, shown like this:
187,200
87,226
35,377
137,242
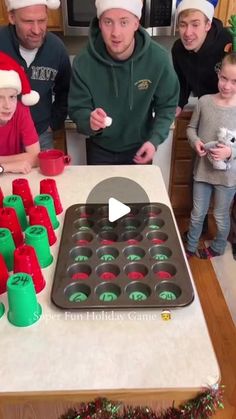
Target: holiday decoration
232,22
201,407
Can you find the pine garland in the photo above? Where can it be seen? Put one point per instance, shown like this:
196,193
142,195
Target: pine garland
201,407
232,30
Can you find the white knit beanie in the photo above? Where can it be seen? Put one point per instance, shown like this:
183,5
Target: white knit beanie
18,4
132,6
203,6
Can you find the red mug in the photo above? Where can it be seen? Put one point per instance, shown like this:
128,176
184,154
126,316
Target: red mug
52,162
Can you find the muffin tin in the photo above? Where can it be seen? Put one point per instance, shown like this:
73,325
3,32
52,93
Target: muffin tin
134,262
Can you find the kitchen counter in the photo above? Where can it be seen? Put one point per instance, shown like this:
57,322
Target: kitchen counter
104,352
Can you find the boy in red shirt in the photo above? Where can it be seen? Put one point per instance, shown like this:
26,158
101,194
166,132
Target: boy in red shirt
19,145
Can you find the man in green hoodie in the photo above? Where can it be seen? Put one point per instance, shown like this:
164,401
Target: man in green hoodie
124,90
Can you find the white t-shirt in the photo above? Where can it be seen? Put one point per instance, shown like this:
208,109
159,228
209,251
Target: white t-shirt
28,54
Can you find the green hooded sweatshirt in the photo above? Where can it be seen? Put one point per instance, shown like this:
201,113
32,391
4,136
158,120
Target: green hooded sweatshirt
140,94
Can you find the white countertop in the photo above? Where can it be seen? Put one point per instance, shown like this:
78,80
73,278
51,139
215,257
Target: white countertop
101,350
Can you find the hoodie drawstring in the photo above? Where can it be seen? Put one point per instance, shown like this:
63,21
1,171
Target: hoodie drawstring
131,97
114,81
115,84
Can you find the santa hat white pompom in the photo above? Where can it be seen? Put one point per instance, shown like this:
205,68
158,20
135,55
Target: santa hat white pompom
30,99
18,4
12,76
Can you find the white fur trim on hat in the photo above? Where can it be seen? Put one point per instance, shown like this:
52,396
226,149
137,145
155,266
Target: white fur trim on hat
13,76
9,79
203,6
18,4
132,6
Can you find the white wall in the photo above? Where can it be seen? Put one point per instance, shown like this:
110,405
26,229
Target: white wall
76,147
162,158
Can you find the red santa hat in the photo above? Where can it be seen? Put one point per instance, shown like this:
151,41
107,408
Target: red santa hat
18,4
132,6
12,76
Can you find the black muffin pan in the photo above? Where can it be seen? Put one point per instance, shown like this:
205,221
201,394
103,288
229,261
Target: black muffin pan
134,262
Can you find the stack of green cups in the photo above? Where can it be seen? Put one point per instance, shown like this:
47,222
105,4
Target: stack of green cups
15,201
46,200
24,309
37,237
7,247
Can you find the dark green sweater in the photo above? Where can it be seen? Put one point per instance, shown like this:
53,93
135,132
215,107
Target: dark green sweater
140,94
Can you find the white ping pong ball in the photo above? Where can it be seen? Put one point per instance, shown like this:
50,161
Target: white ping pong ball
108,121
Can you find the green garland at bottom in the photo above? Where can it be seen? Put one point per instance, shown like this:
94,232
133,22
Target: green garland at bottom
201,407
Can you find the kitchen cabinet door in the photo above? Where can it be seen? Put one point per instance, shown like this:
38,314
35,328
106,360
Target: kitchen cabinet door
181,173
224,10
54,17
3,13
55,20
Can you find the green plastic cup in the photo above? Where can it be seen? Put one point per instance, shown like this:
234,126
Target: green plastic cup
7,247
2,310
24,309
46,200
37,237
15,201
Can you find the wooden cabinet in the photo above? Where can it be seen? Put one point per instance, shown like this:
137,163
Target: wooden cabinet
224,10
54,18
3,13
181,174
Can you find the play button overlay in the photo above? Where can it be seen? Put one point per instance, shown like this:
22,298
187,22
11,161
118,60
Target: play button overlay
116,209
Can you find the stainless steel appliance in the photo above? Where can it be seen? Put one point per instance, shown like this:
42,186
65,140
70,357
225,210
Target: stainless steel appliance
158,16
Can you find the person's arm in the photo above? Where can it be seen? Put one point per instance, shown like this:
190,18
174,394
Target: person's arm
16,167
61,90
23,162
193,125
164,106
145,153
194,140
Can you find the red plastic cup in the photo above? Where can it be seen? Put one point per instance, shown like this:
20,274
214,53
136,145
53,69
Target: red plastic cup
38,215
1,198
9,219
52,162
25,260
3,275
49,186
21,187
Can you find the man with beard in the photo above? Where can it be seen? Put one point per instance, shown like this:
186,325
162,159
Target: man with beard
45,60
